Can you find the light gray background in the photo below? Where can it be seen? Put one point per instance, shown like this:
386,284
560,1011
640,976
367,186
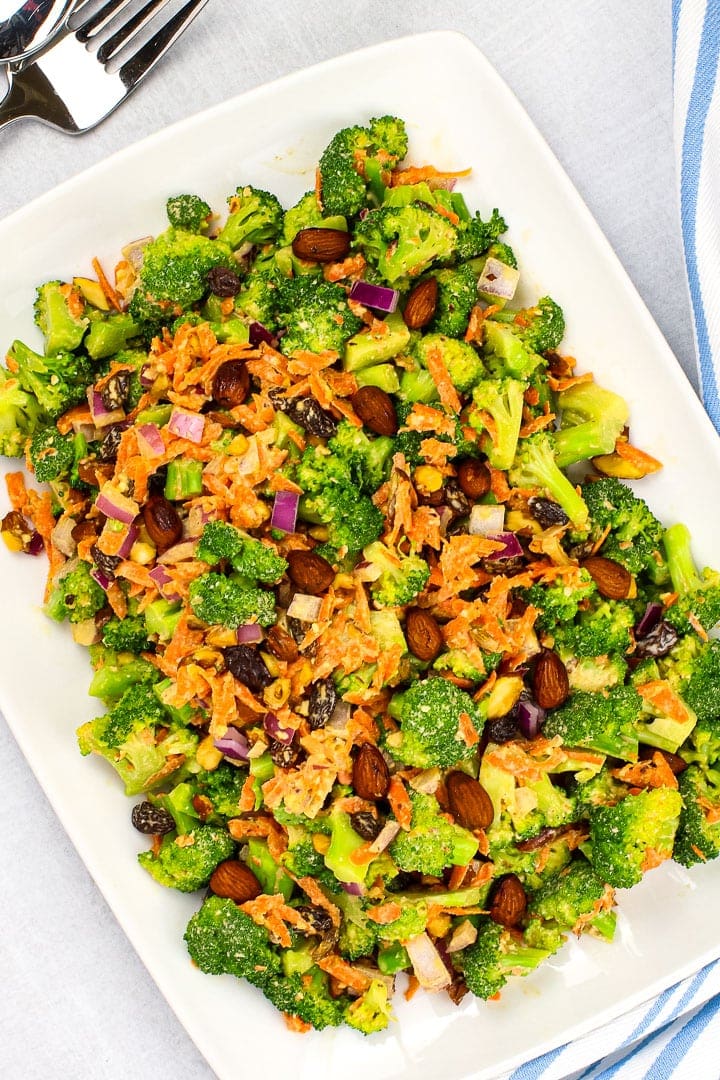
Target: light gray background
595,76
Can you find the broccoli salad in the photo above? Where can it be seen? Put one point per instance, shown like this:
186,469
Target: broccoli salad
395,695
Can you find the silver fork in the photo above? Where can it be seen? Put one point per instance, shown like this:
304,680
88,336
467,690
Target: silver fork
95,61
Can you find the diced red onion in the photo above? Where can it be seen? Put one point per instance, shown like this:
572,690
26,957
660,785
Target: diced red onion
130,537
187,425
367,571
275,729
102,579
164,583
179,552
304,607
148,436
113,504
249,633
463,935
62,538
511,546
147,376
233,744
446,183
340,715
35,544
498,279
430,970
284,511
260,334
353,888
486,520
88,431
102,416
375,296
134,252
650,618
385,837
530,717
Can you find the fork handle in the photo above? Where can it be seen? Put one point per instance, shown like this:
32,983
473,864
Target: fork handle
30,95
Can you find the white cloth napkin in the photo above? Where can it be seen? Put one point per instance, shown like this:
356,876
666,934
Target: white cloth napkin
678,1033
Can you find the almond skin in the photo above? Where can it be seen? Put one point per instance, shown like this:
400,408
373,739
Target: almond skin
281,644
469,802
509,901
162,522
423,634
321,245
474,478
310,572
375,409
613,581
421,303
551,685
234,880
371,776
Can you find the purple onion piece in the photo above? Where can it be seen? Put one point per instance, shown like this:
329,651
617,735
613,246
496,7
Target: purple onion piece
275,730
259,334
284,511
530,718
375,296
512,546
102,579
650,618
249,634
35,544
353,888
233,744
146,376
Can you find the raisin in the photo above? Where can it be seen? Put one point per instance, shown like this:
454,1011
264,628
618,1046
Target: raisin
366,824
658,641
223,282
107,563
307,412
248,666
284,755
152,820
547,512
115,392
502,729
320,921
231,384
111,443
455,499
322,702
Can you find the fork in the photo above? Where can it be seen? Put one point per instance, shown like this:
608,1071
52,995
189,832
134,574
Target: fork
93,63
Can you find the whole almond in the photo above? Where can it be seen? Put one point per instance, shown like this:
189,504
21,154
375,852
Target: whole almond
234,880
612,580
310,572
421,303
509,901
281,644
423,634
474,478
551,685
469,802
375,409
321,245
162,522
370,776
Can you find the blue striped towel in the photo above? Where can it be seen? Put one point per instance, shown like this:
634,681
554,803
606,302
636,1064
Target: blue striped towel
678,1033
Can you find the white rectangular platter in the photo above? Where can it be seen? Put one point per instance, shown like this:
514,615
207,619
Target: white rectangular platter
459,113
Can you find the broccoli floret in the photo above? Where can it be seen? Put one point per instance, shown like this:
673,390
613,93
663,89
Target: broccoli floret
127,738
430,713
698,835
368,459
188,212
319,469
220,600
173,276
109,334
401,578
476,236
591,419
250,558
51,454
464,365
76,596
315,314
306,214
126,635
576,899
20,415
456,661
372,1011
698,593
503,253
535,466
500,400
403,241
457,295
255,218
558,602
57,382
414,913
222,787
352,519
258,299
432,842
541,328
307,997
355,156
602,789
186,862
303,860
602,722
117,672
601,628
634,835
701,691
531,803
494,957
635,537
222,939
60,315
358,935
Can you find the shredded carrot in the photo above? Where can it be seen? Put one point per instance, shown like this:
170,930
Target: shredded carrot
571,380
400,802
650,773
443,382
637,457
344,972
105,285
412,987
417,173
382,914
659,695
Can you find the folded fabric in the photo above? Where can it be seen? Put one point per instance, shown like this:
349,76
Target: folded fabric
678,1033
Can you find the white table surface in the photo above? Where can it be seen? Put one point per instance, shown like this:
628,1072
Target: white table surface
595,75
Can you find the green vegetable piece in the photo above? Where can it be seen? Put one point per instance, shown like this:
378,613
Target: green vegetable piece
161,618
184,479
371,347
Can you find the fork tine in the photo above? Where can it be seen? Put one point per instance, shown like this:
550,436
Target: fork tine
141,18
145,59
85,28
